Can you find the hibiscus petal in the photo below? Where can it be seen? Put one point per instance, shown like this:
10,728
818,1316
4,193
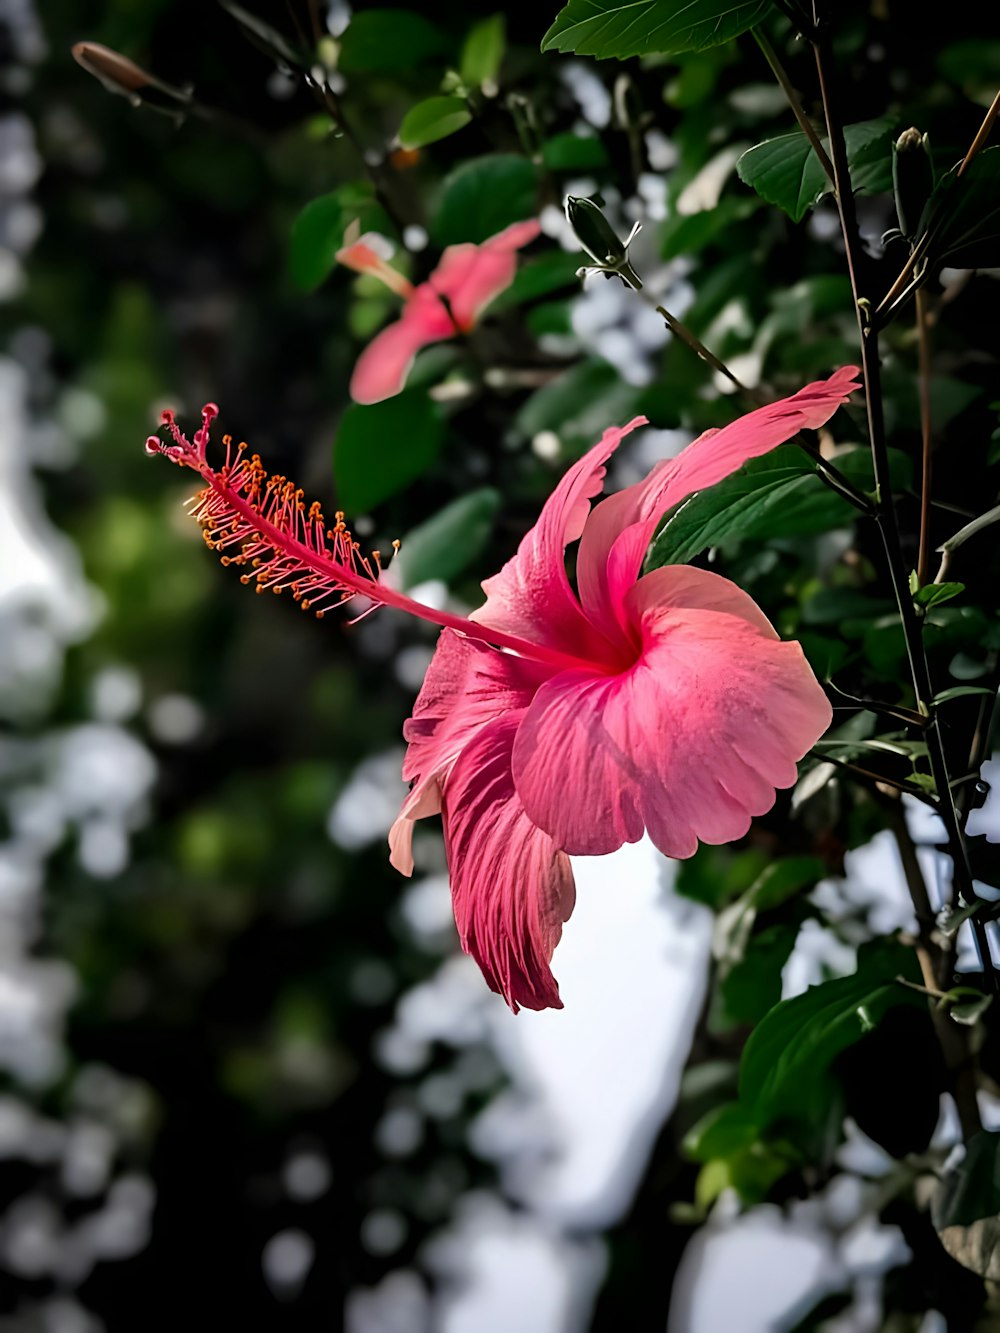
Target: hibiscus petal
619,531
512,890
689,743
467,685
383,366
514,237
470,277
531,596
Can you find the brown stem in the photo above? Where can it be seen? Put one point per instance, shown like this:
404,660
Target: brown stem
805,124
982,134
924,381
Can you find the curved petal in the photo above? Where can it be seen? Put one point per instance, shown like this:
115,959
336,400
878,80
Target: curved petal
690,742
467,686
490,273
514,237
619,531
531,596
383,366
511,889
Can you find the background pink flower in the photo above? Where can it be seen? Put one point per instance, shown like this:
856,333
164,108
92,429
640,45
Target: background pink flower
451,301
665,702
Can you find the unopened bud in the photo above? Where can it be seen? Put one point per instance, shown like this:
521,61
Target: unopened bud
596,235
116,72
912,179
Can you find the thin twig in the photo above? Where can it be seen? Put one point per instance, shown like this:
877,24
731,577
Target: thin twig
924,382
805,124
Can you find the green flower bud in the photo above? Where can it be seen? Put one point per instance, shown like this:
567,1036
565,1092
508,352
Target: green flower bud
912,179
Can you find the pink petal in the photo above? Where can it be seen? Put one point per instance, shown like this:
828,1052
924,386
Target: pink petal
690,742
512,890
467,686
471,276
514,237
362,258
383,366
619,531
531,596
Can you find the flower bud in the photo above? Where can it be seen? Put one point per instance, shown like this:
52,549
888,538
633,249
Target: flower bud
912,179
596,235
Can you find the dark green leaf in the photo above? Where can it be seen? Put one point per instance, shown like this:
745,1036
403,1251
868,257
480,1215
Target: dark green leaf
482,53
433,119
716,875
778,495
721,1132
965,1208
606,28
483,196
574,152
788,1056
786,171
379,41
752,986
688,234
578,404
444,545
963,215
383,448
318,231
538,277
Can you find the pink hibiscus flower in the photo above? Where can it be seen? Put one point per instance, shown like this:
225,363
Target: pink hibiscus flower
448,303
557,721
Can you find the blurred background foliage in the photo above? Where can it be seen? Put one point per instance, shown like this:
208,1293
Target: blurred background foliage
210,882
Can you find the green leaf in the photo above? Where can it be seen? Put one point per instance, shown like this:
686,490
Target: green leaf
752,986
778,495
443,545
965,1207
963,215
933,593
721,1132
483,196
482,53
318,231
786,171
433,119
577,405
786,1062
689,234
959,692
715,875
384,41
381,449
574,152
606,28
538,277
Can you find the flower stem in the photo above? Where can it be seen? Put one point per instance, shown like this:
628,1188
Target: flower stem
885,517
